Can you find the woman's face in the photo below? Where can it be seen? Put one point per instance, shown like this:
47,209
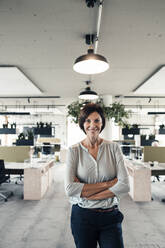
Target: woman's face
93,124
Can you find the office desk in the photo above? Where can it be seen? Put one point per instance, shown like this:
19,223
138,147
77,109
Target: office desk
140,178
37,179
157,170
13,168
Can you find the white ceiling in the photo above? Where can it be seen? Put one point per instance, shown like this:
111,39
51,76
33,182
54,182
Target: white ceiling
43,38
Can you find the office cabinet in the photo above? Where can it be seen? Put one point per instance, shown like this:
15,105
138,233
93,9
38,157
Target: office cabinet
37,181
140,182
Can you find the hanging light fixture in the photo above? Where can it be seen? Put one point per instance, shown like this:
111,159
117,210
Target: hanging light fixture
92,63
88,94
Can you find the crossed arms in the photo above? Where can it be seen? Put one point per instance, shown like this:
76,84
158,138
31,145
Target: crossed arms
97,191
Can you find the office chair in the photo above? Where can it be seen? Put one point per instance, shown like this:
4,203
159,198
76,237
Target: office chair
126,150
4,178
46,148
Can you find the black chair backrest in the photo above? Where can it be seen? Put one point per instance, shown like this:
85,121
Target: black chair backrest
46,148
2,167
126,150
3,177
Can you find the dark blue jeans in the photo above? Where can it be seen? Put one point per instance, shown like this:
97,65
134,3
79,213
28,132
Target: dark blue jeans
90,227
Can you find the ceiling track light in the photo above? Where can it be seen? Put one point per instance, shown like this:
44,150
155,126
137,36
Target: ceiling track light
92,63
88,94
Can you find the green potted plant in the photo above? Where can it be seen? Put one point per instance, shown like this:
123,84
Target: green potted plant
161,126
116,111
135,126
74,110
130,129
21,136
13,125
5,125
24,140
41,124
143,136
152,137
162,129
43,129
127,126
47,125
6,129
30,135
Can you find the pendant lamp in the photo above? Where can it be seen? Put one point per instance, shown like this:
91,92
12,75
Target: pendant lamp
91,63
88,94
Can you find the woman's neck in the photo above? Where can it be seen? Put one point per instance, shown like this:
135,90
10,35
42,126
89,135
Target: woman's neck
92,142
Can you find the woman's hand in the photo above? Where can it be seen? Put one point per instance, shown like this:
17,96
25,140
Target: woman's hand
76,180
105,194
93,188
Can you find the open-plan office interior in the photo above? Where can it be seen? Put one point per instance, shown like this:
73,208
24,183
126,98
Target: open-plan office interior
43,45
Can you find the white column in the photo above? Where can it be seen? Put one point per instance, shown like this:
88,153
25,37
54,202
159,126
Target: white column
107,132
107,99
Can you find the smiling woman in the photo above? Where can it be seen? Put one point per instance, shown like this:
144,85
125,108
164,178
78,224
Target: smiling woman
95,180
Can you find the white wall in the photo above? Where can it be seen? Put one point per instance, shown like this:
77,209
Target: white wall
74,133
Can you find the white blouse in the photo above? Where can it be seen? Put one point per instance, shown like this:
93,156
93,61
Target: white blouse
108,165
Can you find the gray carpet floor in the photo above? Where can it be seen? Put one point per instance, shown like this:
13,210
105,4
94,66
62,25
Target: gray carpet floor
45,223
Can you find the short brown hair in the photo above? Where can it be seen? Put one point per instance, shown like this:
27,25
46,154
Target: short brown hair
88,109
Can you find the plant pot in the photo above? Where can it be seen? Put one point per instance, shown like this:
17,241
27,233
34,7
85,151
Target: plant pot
145,142
162,131
126,131
42,131
7,131
24,142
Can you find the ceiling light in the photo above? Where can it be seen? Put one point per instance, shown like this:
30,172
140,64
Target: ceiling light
88,94
91,63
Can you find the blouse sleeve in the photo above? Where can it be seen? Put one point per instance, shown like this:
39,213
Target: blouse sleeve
72,189
122,186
